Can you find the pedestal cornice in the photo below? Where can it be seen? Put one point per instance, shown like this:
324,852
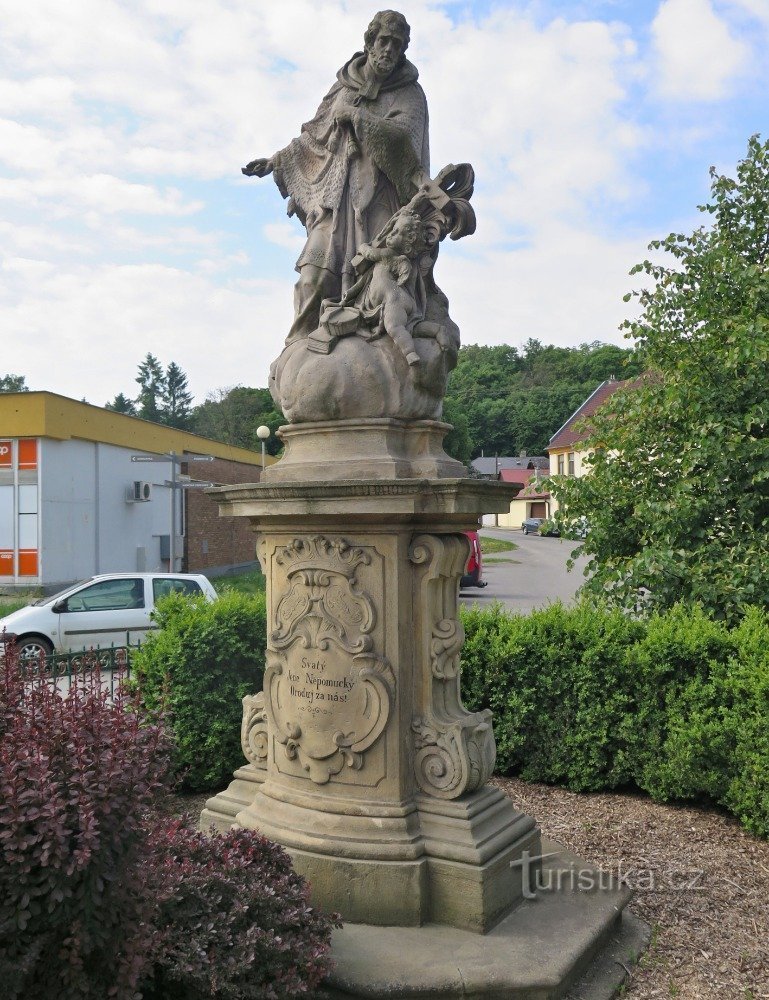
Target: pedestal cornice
455,503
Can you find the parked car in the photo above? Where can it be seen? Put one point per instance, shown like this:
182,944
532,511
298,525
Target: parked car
531,525
109,609
473,576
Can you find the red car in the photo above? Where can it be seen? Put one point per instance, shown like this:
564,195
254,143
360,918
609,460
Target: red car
474,570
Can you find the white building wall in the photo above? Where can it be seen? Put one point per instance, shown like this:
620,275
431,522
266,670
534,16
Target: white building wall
86,524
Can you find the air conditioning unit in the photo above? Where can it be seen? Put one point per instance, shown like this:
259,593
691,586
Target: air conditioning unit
138,492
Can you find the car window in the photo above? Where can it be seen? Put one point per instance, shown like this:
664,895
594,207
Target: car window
164,587
108,595
57,596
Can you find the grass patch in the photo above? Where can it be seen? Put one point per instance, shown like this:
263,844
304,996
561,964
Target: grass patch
250,582
493,560
8,605
490,545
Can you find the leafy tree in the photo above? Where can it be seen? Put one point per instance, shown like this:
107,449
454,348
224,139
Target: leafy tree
515,399
232,415
457,442
151,379
13,383
176,409
122,404
678,496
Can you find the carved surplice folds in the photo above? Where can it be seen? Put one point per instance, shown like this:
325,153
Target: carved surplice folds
328,694
454,748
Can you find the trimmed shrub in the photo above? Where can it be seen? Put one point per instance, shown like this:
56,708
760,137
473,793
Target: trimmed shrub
716,741
234,922
679,655
677,705
77,774
197,667
556,684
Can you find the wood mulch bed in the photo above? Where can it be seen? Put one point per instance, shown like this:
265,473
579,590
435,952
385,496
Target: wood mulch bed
701,882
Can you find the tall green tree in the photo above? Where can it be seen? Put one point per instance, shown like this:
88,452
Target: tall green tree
122,404
457,442
151,379
176,399
13,383
516,399
678,496
232,415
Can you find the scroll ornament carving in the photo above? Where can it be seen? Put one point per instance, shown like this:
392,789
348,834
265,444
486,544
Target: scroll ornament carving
454,757
254,737
454,750
445,647
328,695
322,602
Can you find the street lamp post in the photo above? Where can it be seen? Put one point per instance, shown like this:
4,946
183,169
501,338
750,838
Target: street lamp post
263,432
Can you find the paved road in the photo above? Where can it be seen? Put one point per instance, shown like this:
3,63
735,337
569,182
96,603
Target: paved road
532,576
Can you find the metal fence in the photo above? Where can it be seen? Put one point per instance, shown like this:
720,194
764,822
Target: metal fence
112,664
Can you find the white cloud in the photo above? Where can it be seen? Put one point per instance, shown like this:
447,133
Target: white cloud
698,56
565,288
123,118
285,234
82,331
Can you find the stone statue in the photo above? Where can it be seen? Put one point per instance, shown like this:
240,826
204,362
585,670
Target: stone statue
371,336
356,163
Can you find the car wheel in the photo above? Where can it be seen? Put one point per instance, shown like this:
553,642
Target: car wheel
34,649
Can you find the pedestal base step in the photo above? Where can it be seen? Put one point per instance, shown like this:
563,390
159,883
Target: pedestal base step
567,942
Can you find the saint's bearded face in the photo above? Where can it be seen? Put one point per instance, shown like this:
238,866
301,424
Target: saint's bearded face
385,52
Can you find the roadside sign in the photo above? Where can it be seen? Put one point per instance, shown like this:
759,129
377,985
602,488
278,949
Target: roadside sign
177,459
188,486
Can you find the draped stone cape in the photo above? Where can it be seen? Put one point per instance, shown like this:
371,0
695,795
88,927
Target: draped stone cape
344,181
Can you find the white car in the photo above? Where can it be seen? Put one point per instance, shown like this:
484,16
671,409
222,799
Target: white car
110,609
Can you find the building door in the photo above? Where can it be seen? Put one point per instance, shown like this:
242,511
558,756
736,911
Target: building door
538,508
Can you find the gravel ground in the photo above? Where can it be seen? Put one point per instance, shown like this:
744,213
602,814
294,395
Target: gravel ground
701,882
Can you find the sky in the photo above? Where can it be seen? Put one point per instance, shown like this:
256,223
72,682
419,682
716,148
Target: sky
126,226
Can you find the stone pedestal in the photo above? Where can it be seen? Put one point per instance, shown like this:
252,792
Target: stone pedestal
365,765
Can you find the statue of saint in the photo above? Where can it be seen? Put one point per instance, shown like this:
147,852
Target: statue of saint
371,336
362,157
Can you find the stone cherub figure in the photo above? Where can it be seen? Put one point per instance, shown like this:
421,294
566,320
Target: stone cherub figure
389,297
355,166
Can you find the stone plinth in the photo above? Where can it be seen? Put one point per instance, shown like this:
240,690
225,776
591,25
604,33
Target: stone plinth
381,449
364,763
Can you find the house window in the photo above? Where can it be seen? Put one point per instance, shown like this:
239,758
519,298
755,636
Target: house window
560,465
571,463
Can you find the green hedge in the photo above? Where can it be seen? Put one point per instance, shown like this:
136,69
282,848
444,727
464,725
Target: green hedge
677,705
198,666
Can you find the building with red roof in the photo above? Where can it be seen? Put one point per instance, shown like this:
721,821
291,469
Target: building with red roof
566,446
